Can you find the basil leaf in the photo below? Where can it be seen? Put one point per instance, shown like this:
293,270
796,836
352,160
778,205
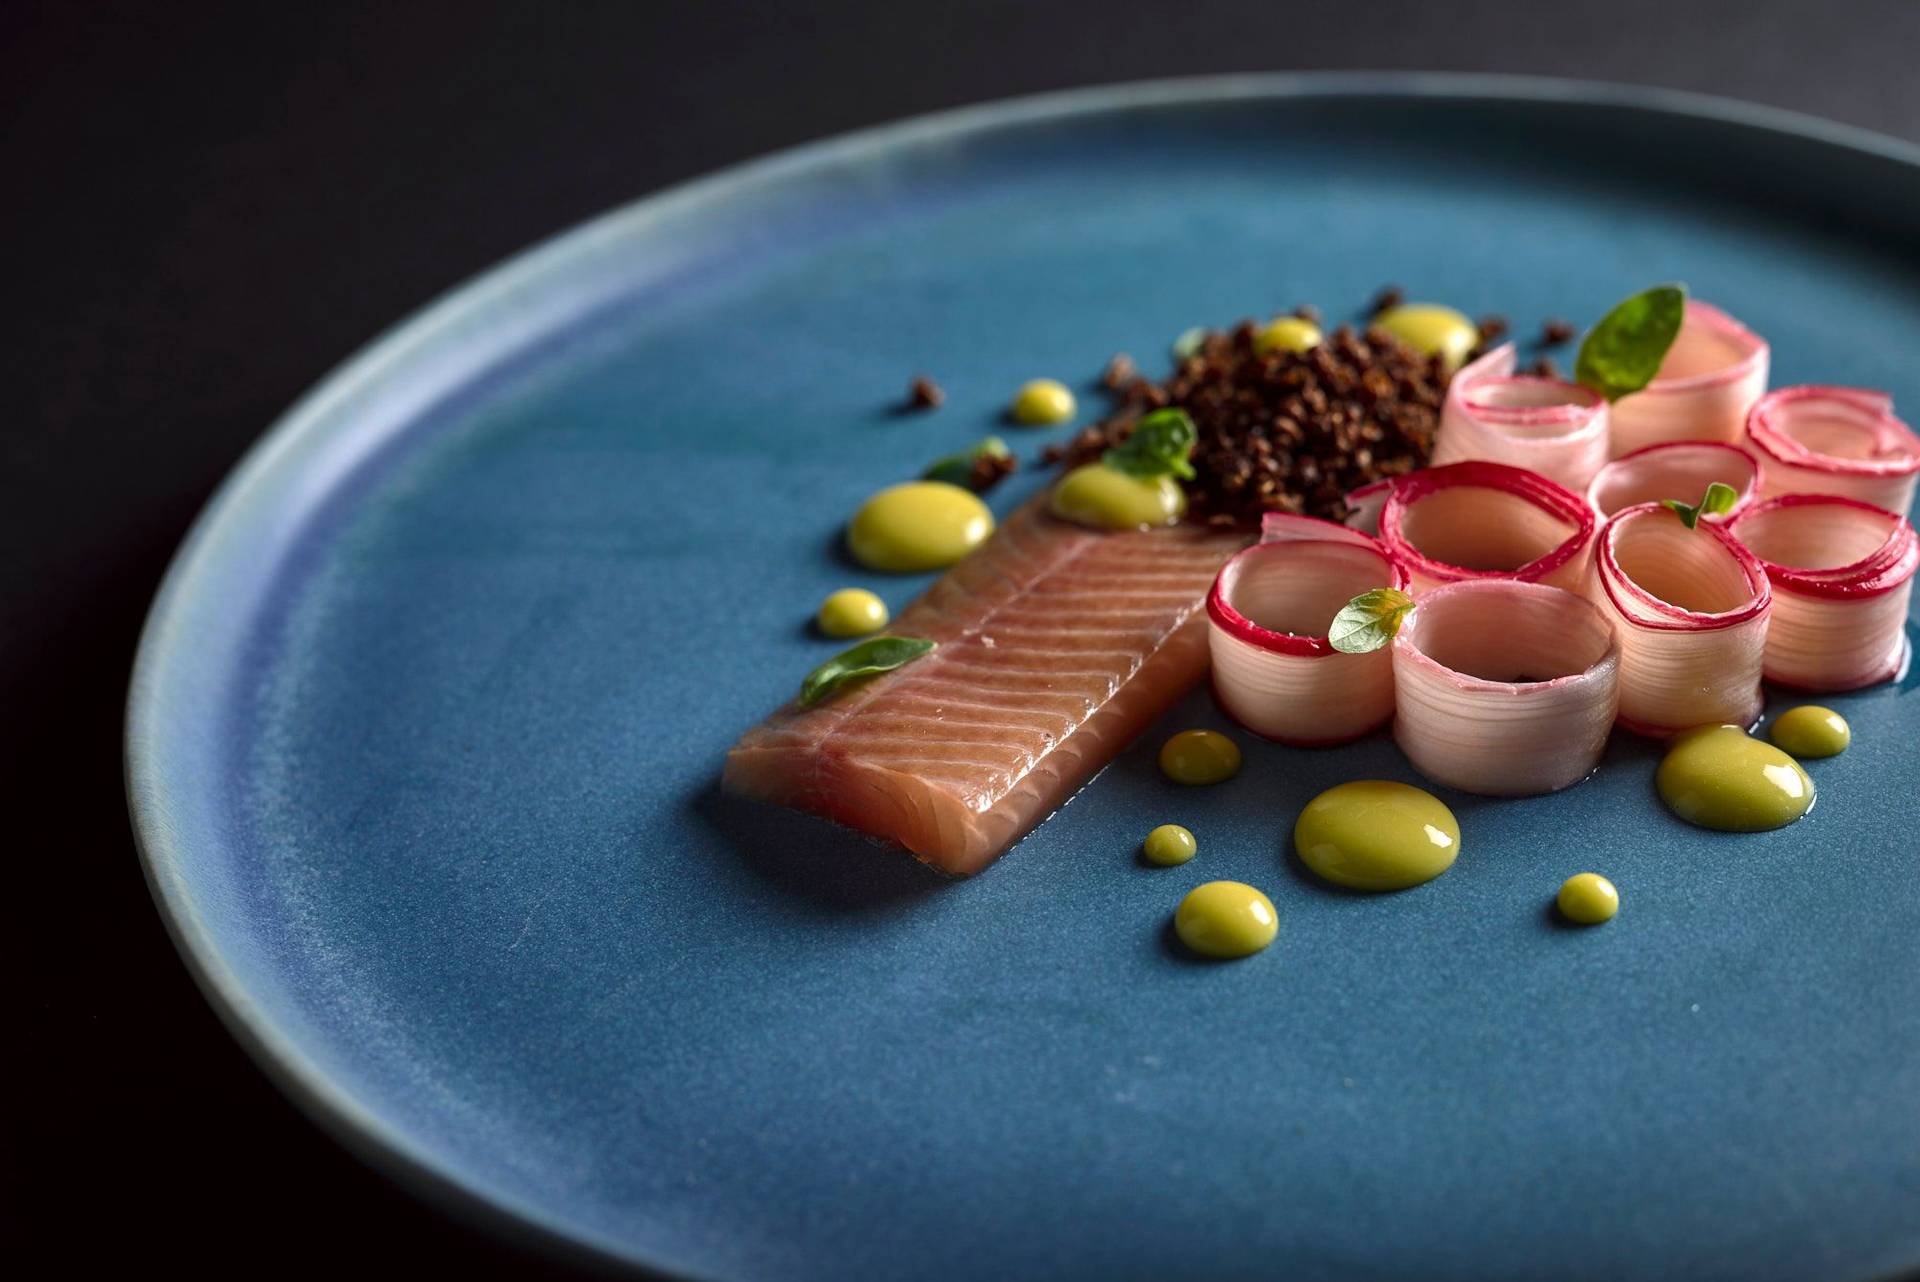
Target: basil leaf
1161,445
1369,621
879,654
1717,501
1189,342
1689,515
957,469
1623,352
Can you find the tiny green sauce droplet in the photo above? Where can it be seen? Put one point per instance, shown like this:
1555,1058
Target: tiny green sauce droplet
851,612
1587,899
1169,845
1226,919
1721,777
1810,731
1200,757
1042,403
1374,834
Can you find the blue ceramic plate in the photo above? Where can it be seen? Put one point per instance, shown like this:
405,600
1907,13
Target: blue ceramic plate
427,721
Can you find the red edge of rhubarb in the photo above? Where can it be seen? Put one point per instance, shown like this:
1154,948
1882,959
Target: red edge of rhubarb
1878,572
1615,581
1549,496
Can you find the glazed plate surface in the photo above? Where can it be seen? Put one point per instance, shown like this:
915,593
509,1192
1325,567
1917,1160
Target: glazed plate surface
426,729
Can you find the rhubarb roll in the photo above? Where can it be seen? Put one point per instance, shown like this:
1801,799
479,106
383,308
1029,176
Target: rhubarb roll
1691,607
1481,520
1842,576
1711,376
1505,688
1545,425
1836,440
1675,470
1274,671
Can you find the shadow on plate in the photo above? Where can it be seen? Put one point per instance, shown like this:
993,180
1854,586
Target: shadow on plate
1558,925
836,550
809,860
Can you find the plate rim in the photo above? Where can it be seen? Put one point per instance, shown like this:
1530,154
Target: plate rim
333,1108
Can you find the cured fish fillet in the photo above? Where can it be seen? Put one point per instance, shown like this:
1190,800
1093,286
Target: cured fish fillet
1057,645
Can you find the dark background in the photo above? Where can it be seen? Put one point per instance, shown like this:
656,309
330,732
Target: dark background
207,206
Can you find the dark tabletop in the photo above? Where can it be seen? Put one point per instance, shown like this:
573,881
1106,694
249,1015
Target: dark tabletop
208,206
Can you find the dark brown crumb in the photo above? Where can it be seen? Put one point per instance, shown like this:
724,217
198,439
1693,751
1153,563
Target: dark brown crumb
1119,372
1388,297
1308,313
1286,431
1492,329
1555,332
1055,452
925,394
1544,368
989,470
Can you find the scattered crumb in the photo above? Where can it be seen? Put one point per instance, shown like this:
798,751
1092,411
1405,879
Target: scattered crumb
925,394
989,470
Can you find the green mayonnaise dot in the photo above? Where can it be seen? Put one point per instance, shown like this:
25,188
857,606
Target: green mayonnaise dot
1226,919
851,612
1042,402
1108,499
921,525
1722,777
1286,334
1810,731
1375,834
1200,757
1587,899
1168,845
1431,330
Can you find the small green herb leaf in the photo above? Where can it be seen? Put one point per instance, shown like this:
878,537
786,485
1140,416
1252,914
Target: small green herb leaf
1369,621
957,469
1717,501
1189,342
1623,352
879,654
1160,445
